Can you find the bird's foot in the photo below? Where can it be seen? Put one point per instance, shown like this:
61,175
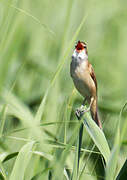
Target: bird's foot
80,111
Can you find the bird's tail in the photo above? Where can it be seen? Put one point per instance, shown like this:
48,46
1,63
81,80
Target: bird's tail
94,113
97,119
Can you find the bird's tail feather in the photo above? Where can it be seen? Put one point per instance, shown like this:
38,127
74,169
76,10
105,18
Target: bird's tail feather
97,120
94,114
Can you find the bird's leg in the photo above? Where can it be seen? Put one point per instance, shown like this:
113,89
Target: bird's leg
88,109
81,110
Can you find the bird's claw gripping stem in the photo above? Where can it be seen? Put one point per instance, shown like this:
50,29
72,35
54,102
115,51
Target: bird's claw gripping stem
80,112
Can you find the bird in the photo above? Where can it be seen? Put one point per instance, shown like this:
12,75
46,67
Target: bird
85,81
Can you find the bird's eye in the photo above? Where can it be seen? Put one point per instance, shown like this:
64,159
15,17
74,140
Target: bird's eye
85,47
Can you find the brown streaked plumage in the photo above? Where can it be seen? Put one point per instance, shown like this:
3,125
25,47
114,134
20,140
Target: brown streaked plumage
84,78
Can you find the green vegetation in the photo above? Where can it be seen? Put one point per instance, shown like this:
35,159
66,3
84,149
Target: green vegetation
40,137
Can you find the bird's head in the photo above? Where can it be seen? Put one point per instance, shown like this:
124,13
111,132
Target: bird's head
80,51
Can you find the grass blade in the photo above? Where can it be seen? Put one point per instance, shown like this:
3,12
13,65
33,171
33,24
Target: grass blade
43,154
123,172
97,135
77,154
112,164
21,162
34,18
10,156
3,118
60,165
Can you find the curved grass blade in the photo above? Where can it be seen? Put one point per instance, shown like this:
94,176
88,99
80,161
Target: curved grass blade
123,172
21,162
34,18
112,163
10,156
120,133
18,109
44,26
43,154
97,135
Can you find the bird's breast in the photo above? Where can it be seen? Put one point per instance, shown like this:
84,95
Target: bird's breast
81,78
79,70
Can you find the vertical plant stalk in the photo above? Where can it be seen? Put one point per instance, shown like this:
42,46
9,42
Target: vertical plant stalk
80,144
78,151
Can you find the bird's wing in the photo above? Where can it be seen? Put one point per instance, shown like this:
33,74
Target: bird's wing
92,74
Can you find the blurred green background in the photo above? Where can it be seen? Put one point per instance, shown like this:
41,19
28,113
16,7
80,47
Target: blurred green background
35,43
